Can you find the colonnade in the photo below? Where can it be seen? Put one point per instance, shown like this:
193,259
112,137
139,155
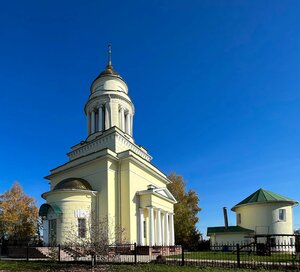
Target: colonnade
100,119
125,120
160,227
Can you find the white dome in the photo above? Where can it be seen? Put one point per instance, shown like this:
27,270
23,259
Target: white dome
109,83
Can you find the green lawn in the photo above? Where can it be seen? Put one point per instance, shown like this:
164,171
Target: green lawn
51,267
210,255
167,268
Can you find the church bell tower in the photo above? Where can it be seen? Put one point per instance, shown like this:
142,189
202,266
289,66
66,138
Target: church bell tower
109,104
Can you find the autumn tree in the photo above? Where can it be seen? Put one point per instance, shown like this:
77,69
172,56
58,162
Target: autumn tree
186,210
18,215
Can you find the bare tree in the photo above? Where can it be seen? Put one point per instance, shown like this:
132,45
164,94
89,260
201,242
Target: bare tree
98,238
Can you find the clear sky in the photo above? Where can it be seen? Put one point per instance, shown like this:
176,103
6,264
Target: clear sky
215,84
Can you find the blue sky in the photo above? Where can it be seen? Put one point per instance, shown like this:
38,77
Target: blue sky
215,84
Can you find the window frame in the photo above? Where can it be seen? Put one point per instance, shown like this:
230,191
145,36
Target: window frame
282,215
81,227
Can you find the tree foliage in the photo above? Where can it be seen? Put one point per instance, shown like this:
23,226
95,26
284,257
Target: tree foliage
186,211
18,215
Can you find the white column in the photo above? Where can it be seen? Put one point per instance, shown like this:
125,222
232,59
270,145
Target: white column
166,229
151,226
110,113
131,124
120,117
125,122
172,235
141,227
100,118
107,116
127,118
89,122
122,121
158,227
93,121
163,229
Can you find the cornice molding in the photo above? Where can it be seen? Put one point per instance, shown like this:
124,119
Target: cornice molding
107,97
101,154
133,147
87,148
105,140
70,191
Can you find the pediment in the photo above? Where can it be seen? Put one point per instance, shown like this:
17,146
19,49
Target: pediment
165,192
162,192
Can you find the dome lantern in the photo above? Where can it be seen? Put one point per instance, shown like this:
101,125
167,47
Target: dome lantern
109,104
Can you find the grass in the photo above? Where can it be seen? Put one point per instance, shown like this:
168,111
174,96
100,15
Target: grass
211,255
63,267
170,268
23,266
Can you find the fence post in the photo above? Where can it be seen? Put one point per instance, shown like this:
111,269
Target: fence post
27,252
182,256
135,254
58,252
238,257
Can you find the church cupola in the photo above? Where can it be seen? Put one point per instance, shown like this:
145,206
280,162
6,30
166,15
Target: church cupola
109,104
109,71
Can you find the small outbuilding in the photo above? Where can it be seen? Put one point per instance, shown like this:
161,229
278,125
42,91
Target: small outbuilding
222,236
263,213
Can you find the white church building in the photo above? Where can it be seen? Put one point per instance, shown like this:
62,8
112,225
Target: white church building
108,175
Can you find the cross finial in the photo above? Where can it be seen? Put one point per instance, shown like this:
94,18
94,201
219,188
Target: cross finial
109,54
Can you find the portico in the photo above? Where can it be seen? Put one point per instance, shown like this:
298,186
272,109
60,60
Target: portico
161,227
156,217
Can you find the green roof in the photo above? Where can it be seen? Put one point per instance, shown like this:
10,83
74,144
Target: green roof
229,229
263,196
43,211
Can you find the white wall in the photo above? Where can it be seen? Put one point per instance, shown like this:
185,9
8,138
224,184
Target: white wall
263,218
219,239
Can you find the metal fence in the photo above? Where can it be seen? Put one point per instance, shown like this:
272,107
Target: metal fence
125,253
251,255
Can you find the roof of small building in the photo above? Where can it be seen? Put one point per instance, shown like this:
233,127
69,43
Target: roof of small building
263,196
73,184
229,229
